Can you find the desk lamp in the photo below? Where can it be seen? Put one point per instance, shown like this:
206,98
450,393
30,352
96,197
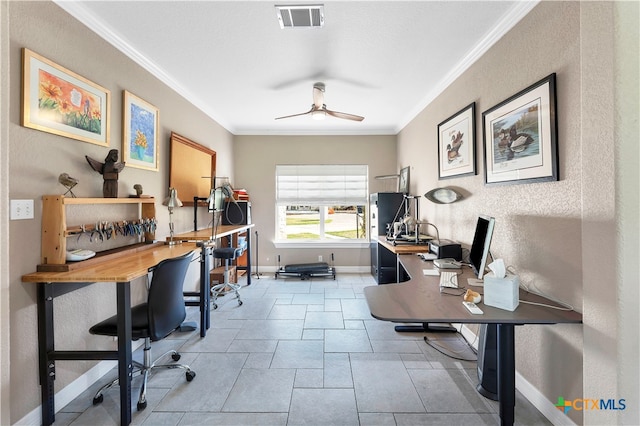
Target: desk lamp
216,195
172,201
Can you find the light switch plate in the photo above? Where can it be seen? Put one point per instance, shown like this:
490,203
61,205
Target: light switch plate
21,209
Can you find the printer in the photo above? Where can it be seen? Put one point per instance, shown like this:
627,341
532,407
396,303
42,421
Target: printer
446,249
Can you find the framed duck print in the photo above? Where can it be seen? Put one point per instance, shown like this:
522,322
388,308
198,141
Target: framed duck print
456,144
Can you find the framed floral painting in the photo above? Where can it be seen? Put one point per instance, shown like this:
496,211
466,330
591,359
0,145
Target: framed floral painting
59,101
140,124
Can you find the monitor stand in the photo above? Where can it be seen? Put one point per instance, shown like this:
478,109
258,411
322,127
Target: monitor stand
426,328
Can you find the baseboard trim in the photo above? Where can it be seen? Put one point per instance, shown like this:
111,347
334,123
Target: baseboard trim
74,389
539,401
530,392
70,392
271,270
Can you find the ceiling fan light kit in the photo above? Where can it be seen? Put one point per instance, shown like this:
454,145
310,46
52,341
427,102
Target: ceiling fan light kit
318,114
319,110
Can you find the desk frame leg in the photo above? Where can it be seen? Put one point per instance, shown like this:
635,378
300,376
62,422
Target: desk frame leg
125,364
47,366
248,256
506,373
205,291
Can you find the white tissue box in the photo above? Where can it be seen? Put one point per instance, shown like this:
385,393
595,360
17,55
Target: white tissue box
502,292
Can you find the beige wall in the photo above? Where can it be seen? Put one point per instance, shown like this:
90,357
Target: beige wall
627,128
37,158
560,236
549,231
255,158
5,397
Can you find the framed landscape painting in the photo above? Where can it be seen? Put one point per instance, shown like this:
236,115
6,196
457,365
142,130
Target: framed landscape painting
457,144
59,101
520,136
140,126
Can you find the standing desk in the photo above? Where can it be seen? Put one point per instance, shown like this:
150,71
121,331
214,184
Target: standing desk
221,231
420,300
121,271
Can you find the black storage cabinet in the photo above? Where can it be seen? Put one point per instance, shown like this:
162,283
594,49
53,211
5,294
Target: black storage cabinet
383,207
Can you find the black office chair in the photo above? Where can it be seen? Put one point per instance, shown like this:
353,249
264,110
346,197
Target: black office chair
220,289
154,320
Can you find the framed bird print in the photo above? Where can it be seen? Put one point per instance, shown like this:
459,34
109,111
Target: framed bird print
59,101
456,144
140,126
520,136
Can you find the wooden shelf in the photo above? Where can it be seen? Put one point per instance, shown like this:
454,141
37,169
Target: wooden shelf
55,230
71,200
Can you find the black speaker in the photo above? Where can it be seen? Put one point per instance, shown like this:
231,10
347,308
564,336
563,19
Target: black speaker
238,213
488,361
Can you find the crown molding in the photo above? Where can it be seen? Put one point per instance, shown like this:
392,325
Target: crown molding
508,21
78,11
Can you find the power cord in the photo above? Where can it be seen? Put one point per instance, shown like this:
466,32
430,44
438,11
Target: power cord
450,352
563,306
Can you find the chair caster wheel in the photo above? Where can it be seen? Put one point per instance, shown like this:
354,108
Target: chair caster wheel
142,405
239,302
215,306
190,375
176,357
98,399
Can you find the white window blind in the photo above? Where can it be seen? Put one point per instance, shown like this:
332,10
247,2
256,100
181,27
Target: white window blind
321,184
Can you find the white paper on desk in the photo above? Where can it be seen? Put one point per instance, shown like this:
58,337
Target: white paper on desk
430,272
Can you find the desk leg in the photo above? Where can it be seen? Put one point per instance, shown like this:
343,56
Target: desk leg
248,257
397,268
205,292
506,373
46,346
125,364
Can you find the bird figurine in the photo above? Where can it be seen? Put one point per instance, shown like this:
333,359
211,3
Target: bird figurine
68,182
109,171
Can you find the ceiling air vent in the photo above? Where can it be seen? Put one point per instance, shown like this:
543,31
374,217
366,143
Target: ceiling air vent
303,16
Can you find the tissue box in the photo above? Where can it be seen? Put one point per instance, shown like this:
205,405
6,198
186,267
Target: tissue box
502,292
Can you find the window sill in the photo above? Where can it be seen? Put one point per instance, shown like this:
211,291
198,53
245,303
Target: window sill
322,244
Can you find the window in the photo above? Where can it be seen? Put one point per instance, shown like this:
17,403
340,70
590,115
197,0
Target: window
321,203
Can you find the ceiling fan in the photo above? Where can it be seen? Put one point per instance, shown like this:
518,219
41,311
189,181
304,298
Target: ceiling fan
319,110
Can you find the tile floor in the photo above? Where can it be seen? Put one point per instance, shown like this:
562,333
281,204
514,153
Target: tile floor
305,352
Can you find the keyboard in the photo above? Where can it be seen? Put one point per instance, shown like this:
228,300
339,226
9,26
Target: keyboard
448,279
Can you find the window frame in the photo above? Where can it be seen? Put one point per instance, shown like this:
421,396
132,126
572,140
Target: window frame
300,199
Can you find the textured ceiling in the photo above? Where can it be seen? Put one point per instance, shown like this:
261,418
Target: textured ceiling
384,60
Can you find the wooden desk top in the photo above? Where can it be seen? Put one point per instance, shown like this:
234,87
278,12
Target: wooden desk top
420,300
205,234
404,248
122,269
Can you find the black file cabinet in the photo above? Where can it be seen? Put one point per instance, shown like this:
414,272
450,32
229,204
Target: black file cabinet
383,207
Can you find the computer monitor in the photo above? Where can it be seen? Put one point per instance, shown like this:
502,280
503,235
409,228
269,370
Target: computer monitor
481,243
216,203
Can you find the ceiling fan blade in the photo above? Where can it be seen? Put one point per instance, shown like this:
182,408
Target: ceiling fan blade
296,115
344,115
